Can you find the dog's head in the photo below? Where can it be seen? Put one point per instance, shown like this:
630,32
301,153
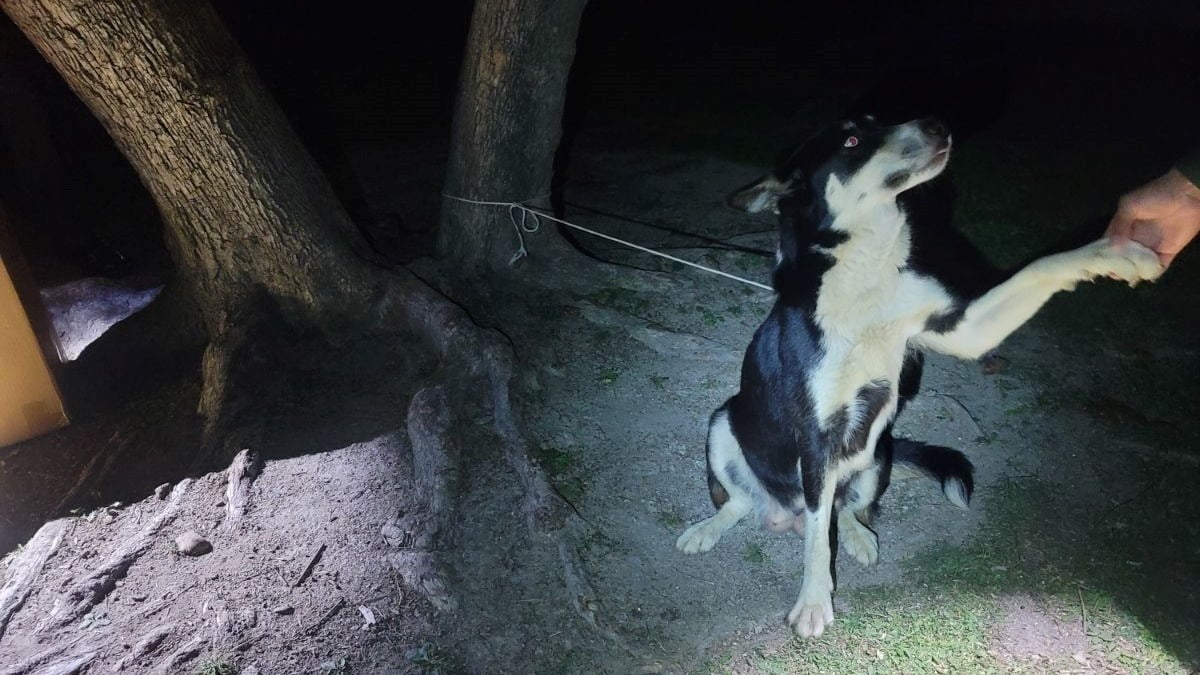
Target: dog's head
856,163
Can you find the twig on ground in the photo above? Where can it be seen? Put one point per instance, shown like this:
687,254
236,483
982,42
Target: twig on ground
316,625
960,404
1082,611
312,562
84,477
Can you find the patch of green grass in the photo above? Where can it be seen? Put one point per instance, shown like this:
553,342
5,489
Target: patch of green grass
987,438
945,617
571,488
553,461
671,520
560,468
753,553
430,659
887,631
621,299
216,666
96,618
608,376
1019,410
597,542
659,381
708,316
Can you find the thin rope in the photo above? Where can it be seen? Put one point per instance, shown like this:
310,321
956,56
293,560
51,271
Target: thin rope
530,221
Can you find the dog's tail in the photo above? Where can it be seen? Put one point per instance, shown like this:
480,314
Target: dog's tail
949,467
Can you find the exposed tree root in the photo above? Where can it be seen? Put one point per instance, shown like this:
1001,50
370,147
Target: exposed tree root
240,476
24,570
429,434
144,647
485,359
86,593
52,661
174,663
434,450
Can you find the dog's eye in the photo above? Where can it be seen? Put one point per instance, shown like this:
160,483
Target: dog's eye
851,141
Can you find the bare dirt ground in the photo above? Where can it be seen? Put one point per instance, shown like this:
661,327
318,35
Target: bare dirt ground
1088,412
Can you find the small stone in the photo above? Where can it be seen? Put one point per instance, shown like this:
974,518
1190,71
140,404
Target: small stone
392,533
138,597
190,543
162,490
283,610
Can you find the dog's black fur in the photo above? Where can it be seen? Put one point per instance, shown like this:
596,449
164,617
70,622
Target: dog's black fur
864,281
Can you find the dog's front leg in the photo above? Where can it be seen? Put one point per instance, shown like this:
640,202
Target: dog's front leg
814,608
991,318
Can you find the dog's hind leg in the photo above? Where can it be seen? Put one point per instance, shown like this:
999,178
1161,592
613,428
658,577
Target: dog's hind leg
702,536
859,540
733,501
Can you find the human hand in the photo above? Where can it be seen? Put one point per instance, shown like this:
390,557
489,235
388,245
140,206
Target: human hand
1163,215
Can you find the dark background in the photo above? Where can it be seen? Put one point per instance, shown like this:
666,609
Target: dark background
1121,78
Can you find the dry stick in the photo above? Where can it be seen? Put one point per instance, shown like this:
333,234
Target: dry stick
84,476
242,472
312,628
26,568
93,588
311,564
960,404
1082,611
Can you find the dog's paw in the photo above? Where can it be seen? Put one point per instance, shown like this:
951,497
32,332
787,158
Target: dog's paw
811,615
1128,261
858,539
700,537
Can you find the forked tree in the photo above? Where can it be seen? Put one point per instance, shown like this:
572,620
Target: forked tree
249,217
251,222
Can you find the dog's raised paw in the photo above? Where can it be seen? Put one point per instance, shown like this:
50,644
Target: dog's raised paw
1146,264
1128,261
858,540
811,616
699,538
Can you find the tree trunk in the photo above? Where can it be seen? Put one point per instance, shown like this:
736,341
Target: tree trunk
251,222
507,122
247,211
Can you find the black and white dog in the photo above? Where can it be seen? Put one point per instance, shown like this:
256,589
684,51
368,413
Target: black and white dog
806,442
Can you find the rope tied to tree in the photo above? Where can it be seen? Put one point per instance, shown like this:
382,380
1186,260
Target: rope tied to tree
530,221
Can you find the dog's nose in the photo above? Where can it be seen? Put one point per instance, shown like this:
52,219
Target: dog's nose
934,127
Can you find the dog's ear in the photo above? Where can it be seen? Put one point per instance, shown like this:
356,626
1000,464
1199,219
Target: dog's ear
761,195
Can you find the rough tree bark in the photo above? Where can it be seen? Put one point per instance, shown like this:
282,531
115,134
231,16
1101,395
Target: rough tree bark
249,216
507,122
